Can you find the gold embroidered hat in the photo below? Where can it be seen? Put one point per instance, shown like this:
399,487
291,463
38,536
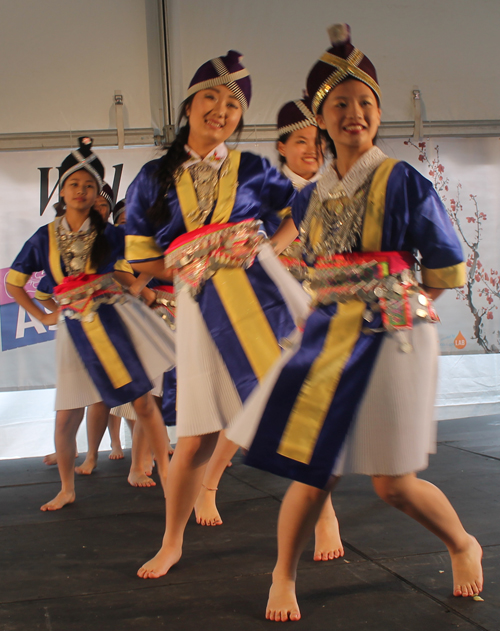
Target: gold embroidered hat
340,62
226,71
295,115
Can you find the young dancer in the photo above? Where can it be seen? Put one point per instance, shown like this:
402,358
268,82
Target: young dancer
97,418
205,204
109,345
357,393
301,158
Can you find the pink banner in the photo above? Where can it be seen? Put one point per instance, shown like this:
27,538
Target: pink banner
30,287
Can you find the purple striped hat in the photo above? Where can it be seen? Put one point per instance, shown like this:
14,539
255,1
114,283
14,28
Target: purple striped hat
226,71
340,62
295,115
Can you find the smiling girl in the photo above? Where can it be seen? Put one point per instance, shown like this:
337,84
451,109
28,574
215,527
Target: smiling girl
298,143
357,394
199,214
109,346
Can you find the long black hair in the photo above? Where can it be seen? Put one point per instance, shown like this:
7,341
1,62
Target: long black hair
159,213
100,252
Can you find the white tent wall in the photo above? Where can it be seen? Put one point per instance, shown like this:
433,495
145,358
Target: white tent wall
448,50
66,58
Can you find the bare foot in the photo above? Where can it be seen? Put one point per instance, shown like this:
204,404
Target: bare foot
467,570
328,544
136,478
60,500
87,466
51,459
161,563
282,604
116,453
205,508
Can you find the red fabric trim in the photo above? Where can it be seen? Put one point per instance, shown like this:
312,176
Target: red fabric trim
397,261
74,282
166,288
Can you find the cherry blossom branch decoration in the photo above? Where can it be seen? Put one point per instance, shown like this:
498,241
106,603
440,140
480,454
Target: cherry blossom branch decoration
482,288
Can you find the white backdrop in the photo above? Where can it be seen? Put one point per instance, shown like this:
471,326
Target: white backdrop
449,50
63,59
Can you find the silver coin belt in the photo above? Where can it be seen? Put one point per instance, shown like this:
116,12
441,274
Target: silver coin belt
397,296
232,246
82,302
164,307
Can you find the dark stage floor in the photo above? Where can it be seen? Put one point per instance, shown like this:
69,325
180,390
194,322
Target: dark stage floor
75,569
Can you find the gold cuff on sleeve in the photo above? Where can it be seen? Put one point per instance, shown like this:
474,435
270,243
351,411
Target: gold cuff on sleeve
123,266
444,277
18,279
139,248
286,213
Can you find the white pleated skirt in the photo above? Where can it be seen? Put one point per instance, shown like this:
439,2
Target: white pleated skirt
394,430
154,343
207,399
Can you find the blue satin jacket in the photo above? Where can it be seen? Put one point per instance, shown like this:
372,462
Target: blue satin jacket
40,253
262,194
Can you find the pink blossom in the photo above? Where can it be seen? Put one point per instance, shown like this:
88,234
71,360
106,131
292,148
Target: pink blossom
490,315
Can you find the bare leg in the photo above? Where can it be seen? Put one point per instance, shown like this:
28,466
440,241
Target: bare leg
299,512
205,507
156,434
431,508
141,451
114,423
67,424
328,544
97,421
183,486
159,402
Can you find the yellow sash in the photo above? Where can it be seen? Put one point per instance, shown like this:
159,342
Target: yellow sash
316,395
232,285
